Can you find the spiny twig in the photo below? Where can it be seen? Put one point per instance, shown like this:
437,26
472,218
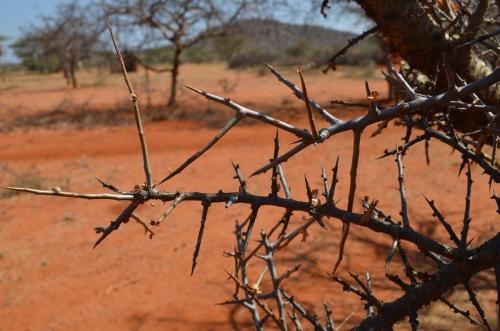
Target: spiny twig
467,219
459,311
475,303
307,315
351,42
114,225
446,225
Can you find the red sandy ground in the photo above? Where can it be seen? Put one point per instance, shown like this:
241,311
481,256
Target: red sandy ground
51,279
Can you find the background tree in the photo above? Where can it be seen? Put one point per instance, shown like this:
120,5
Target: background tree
2,39
182,24
2,53
60,41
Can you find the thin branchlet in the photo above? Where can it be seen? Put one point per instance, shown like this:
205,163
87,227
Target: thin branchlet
135,102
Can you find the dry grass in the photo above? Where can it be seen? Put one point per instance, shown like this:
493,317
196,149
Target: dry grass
44,100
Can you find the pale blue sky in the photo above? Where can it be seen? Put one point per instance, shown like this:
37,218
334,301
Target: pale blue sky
16,13
19,13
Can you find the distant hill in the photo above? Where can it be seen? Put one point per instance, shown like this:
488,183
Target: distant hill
250,40
278,36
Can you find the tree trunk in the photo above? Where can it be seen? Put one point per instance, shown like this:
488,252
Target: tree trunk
411,32
72,75
66,75
174,75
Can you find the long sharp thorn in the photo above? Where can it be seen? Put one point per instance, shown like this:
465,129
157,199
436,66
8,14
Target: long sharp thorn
352,191
274,176
206,205
335,180
345,233
108,186
467,218
462,166
310,114
308,189
280,159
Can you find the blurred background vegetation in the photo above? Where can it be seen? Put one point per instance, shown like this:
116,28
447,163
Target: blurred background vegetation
246,42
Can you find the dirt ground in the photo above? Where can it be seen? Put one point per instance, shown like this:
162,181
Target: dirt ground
51,279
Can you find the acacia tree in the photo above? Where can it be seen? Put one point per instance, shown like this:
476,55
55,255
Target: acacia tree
69,36
182,24
449,264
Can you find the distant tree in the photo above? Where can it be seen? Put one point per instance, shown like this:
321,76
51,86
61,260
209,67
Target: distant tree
33,56
2,39
182,23
2,52
60,41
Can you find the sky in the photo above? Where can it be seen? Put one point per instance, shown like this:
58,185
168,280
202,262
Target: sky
19,13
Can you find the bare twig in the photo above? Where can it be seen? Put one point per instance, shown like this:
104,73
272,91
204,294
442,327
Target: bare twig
178,199
351,42
135,101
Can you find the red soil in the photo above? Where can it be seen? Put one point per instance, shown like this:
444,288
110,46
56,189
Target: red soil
51,279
